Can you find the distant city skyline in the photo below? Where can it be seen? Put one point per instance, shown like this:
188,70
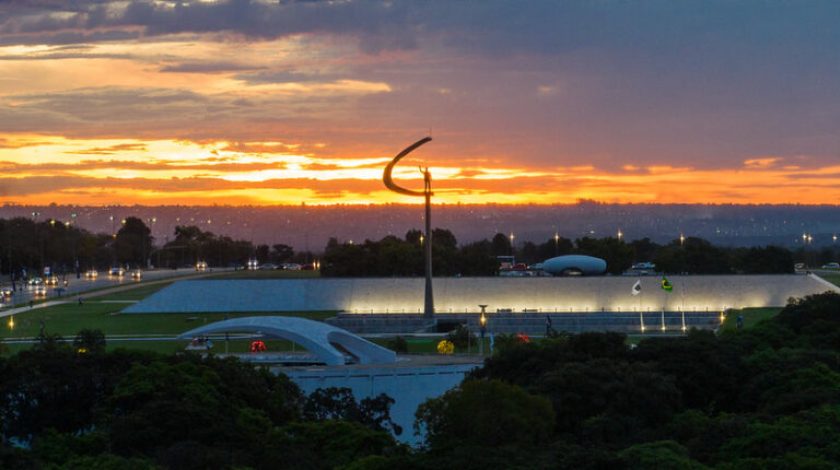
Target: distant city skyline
254,102
308,228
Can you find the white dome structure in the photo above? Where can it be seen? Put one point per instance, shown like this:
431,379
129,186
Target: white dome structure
571,265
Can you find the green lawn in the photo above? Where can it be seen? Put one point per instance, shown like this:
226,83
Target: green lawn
170,347
68,319
752,316
103,313
833,278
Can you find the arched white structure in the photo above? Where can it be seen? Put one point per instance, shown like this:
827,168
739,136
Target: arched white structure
317,337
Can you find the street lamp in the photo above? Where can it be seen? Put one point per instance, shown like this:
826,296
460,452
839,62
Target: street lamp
511,243
482,322
556,244
682,239
619,234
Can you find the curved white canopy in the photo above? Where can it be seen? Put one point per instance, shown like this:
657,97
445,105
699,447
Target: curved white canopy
317,337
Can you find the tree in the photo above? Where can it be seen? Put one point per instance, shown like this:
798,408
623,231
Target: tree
133,242
501,245
485,413
766,260
662,455
617,254
334,403
694,256
281,253
89,341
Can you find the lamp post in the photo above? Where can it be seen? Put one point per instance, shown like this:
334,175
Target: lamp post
35,215
482,321
511,243
620,235
556,244
682,239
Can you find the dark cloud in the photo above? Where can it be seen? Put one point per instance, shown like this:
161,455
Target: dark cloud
656,82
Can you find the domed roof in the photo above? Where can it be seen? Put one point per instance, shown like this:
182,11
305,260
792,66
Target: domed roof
574,264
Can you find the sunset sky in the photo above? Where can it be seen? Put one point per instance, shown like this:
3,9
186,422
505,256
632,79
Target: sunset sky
251,102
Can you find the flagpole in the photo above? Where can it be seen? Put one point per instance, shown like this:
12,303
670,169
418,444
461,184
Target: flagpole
641,315
664,297
682,309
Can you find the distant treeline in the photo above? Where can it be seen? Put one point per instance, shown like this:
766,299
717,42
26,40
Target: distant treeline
393,256
28,245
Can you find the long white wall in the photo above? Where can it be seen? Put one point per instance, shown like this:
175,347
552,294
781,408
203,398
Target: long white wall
553,294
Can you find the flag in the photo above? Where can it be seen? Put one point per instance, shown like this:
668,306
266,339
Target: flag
637,287
666,284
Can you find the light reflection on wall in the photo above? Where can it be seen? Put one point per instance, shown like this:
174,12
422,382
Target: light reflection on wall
592,294
459,295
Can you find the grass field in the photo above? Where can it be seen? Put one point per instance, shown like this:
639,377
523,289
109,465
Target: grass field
103,313
833,278
752,316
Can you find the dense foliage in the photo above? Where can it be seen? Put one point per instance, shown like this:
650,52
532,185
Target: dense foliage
765,397
78,406
768,397
393,256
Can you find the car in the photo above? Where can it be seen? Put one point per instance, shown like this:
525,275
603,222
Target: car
253,264
51,281
831,266
292,266
799,266
116,271
137,275
40,291
91,274
35,281
6,293
268,266
201,266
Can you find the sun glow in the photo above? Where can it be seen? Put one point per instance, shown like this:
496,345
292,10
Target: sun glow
39,169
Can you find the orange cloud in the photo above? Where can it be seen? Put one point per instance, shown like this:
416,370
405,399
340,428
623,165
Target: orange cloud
44,169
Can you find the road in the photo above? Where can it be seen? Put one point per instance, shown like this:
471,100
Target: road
102,285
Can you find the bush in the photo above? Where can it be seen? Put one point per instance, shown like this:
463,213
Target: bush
461,337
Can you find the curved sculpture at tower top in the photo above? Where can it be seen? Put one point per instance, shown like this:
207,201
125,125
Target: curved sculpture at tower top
429,302
427,177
